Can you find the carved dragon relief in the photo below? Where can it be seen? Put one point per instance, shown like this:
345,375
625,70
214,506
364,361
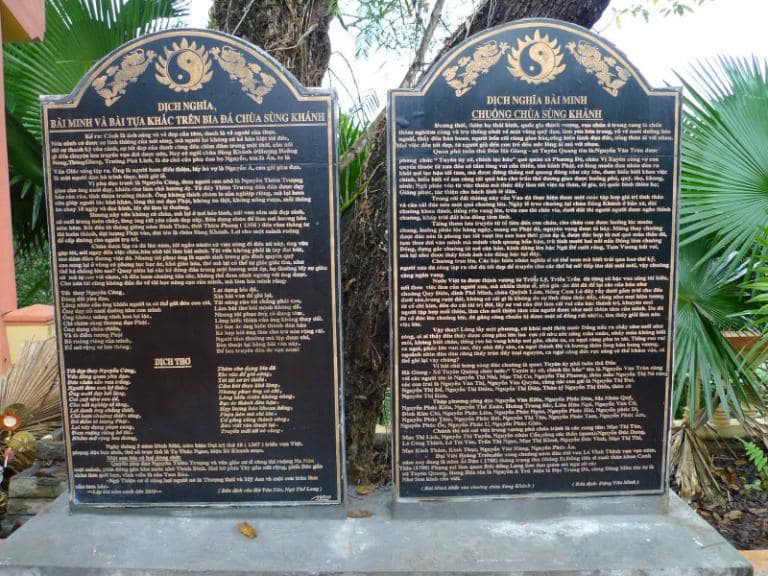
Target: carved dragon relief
253,81
464,75
112,84
610,75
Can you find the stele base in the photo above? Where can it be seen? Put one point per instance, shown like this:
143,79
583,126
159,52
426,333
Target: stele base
616,536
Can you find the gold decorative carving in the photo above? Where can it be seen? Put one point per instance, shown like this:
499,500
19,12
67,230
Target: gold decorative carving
254,82
113,83
464,75
609,73
193,62
544,52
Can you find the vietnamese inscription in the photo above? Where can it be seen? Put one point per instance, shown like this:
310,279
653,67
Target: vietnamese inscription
192,207
533,229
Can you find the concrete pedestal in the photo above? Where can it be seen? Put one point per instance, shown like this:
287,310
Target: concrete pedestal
632,536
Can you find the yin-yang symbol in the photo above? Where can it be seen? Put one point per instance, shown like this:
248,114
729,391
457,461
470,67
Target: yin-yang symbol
537,59
544,61
186,69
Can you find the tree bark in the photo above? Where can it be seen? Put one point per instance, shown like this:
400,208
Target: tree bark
364,253
494,12
295,32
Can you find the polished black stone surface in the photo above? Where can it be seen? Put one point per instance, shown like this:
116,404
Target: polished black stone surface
529,75
204,89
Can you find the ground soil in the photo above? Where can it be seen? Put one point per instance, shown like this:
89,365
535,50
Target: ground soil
742,517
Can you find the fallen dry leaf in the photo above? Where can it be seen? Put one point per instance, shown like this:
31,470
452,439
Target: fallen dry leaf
247,530
734,514
359,514
365,489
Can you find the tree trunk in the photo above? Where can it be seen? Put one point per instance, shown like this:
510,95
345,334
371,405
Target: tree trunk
364,254
295,32
494,12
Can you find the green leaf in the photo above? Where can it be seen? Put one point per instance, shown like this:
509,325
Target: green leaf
708,371
757,456
725,157
352,181
24,152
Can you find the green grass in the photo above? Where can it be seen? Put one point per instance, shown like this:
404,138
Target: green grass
33,276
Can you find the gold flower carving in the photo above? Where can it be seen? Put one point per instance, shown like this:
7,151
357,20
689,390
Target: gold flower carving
543,52
192,64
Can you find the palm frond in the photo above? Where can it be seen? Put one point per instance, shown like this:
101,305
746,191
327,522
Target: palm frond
725,156
78,33
757,304
32,382
708,371
691,464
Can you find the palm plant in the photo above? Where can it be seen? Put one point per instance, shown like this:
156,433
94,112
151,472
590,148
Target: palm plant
724,208
708,371
78,33
725,157
759,286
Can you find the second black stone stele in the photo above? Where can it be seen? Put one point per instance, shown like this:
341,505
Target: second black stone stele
192,204
534,183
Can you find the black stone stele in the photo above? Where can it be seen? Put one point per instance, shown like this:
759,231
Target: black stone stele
192,204
534,180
